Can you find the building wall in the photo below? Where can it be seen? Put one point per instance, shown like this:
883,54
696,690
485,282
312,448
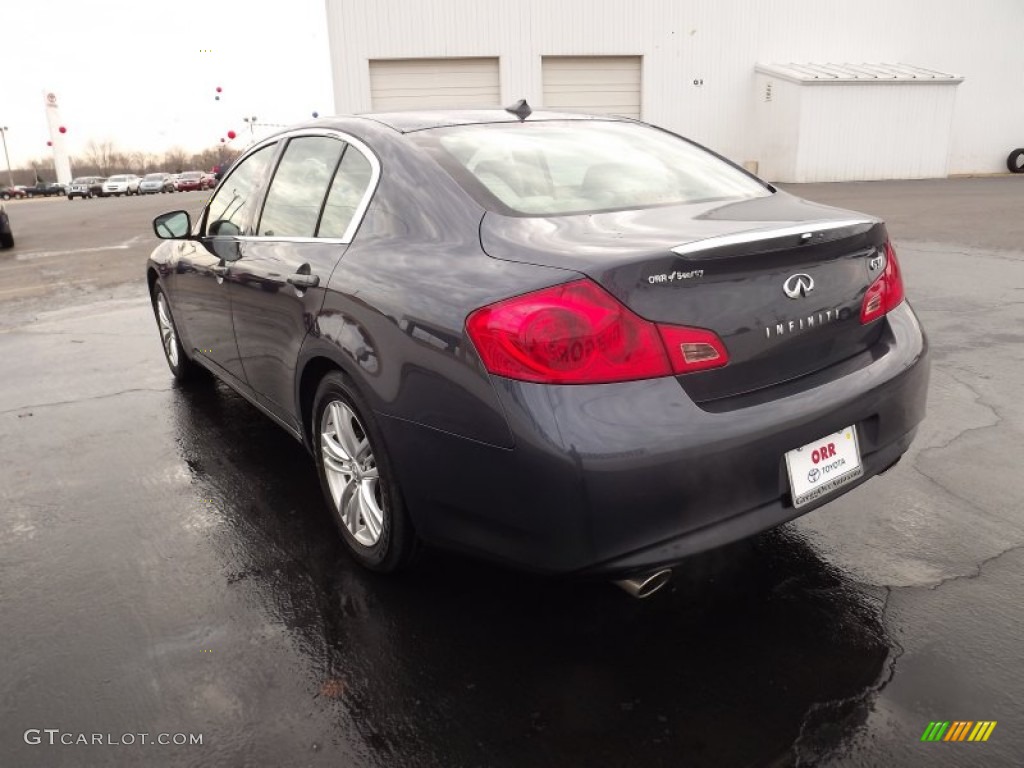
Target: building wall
698,56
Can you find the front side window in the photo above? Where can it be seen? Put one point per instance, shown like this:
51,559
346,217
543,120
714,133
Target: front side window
555,168
230,208
299,186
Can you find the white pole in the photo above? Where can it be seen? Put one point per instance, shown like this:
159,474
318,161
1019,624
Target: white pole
3,134
61,161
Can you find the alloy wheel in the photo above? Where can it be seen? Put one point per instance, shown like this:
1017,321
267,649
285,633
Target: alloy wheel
352,474
167,333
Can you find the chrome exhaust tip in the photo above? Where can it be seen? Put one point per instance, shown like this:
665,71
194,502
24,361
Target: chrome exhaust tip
646,584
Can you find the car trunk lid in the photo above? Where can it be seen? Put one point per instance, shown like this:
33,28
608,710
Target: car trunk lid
779,279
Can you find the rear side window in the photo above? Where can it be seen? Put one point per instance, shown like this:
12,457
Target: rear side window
552,168
299,186
347,191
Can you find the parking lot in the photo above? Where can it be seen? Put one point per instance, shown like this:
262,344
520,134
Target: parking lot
167,565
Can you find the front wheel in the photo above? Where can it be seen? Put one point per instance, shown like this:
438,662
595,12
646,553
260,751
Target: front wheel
6,240
357,478
183,369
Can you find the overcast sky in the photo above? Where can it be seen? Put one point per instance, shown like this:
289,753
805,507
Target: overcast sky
137,72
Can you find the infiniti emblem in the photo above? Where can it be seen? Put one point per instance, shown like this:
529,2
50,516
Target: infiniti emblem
798,285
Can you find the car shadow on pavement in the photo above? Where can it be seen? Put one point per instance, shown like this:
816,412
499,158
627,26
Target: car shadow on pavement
757,653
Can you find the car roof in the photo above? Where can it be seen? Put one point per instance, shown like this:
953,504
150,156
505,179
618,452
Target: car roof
422,120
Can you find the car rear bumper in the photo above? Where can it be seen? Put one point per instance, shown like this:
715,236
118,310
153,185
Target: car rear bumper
610,479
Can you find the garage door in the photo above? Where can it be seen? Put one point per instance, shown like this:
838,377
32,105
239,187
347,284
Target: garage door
607,85
428,83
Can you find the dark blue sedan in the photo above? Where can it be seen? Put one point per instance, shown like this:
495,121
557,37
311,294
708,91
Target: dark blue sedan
576,345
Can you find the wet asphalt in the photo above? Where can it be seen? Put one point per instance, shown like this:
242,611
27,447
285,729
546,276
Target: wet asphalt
167,565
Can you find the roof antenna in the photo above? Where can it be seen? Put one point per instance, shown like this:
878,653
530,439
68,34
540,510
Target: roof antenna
520,109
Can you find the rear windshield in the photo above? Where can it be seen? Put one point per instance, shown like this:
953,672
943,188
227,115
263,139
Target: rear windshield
154,177
555,168
191,175
118,178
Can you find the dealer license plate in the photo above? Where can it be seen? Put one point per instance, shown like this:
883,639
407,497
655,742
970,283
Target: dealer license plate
819,468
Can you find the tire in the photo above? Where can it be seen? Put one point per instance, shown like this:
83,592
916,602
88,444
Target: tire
1015,162
6,240
379,534
183,369
70,198
5,196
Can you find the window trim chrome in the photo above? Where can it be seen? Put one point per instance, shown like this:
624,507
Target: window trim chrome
282,139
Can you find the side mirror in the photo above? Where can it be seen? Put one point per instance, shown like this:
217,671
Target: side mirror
175,225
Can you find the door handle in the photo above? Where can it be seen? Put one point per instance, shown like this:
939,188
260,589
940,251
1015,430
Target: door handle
303,281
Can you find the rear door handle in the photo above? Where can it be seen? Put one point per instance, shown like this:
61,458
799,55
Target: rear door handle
303,281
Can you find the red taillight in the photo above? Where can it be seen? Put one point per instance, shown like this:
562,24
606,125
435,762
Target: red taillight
577,333
886,293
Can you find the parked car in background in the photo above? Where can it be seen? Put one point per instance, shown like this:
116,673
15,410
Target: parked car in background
7,193
47,189
6,236
190,181
152,183
595,348
122,184
209,181
222,170
85,187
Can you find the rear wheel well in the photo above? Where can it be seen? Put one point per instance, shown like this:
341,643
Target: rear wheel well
314,371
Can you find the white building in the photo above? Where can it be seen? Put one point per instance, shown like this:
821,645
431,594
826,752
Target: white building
923,88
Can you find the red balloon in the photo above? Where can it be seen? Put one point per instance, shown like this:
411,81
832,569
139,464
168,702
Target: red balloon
62,129
49,143
231,134
218,89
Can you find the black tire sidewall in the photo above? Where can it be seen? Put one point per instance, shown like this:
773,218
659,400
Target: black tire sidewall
393,548
182,370
1015,161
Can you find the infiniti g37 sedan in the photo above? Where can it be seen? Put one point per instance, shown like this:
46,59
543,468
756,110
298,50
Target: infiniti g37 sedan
576,345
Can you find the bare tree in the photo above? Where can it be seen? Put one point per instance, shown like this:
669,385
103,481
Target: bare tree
102,155
175,160
103,159
139,162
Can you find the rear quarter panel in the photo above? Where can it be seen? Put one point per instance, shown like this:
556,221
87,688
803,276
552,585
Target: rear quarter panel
394,314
